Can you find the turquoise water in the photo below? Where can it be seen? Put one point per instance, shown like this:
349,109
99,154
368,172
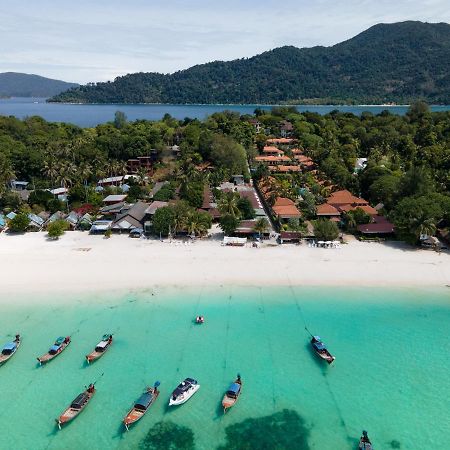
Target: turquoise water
390,375
92,115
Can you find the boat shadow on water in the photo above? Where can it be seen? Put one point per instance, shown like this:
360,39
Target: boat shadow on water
321,364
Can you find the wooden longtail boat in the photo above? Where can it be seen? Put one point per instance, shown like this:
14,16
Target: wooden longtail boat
60,344
364,442
141,406
76,406
100,348
321,350
232,395
9,349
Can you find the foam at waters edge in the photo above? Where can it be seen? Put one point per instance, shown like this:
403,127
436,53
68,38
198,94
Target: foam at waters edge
389,377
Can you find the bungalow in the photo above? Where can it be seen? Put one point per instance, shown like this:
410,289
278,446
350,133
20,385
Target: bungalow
111,181
100,226
286,128
35,221
281,141
290,236
285,209
114,198
58,215
72,219
273,160
285,169
270,150
329,211
133,218
379,226
60,193
2,223
19,185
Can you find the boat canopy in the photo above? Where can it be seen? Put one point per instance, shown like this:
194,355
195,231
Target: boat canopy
60,340
319,345
102,345
317,338
234,388
106,337
10,346
144,401
54,349
79,401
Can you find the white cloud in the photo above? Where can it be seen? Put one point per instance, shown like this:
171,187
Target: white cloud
93,41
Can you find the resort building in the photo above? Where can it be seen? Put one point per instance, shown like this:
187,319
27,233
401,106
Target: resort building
132,218
285,209
114,198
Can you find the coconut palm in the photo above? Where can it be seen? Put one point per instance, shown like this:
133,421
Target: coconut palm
6,172
50,169
228,204
198,223
423,227
261,226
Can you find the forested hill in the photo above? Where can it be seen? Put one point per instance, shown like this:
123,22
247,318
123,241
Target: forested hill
398,62
14,84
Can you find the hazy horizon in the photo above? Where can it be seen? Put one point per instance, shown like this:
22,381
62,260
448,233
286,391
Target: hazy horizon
100,41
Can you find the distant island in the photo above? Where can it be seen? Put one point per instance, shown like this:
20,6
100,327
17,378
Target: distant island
400,62
13,84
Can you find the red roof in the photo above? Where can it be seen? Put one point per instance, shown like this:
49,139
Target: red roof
272,149
280,141
285,208
327,210
376,228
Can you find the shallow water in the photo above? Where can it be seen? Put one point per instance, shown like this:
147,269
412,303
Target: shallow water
92,115
390,375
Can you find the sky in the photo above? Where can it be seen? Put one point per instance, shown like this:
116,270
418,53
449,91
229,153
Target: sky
96,40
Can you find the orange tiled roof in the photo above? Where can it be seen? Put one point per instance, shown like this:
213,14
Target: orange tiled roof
272,149
280,141
327,210
285,208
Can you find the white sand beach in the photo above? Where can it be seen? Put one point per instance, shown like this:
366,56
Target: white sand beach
80,262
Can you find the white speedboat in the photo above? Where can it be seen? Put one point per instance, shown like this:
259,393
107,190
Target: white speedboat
184,391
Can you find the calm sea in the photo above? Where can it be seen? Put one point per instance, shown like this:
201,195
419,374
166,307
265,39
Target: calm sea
91,115
390,376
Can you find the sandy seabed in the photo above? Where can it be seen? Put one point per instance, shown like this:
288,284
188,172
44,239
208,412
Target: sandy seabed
79,262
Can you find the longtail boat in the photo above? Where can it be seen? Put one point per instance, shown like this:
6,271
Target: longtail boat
60,344
80,402
321,350
100,348
141,406
364,442
9,349
232,395
184,391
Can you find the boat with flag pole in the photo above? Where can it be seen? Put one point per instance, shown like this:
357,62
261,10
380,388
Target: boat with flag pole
100,348
77,405
60,344
142,405
9,349
232,395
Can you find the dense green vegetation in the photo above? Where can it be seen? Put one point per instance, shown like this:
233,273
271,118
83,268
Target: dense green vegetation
14,84
399,62
408,170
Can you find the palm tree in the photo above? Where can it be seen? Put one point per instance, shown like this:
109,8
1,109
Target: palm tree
228,204
423,227
6,172
50,169
261,226
143,176
197,224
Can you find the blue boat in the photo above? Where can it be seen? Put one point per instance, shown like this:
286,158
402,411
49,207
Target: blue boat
60,344
10,349
232,395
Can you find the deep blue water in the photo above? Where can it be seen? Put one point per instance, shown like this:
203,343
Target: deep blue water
91,115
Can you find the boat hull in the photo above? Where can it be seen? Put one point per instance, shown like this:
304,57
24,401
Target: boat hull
5,358
70,413
228,402
94,355
48,357
134,415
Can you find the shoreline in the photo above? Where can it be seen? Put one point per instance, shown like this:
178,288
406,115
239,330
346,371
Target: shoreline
81,263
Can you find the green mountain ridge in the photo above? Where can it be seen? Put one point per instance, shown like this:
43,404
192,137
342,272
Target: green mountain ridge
13,84
399,62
